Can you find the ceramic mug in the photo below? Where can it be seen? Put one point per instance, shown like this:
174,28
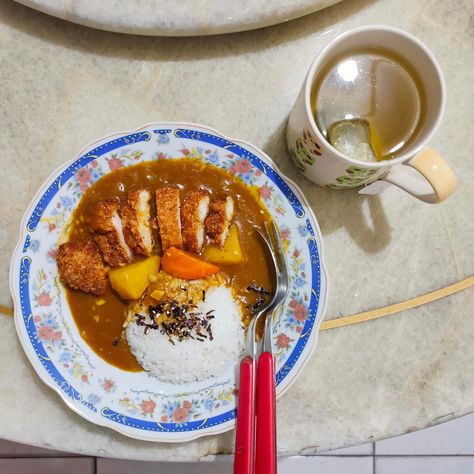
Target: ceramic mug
419,171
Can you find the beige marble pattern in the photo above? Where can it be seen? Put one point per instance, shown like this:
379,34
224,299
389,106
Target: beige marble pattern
182,18
64,85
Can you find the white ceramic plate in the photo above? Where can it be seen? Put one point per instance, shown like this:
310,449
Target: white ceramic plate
172,18
137,404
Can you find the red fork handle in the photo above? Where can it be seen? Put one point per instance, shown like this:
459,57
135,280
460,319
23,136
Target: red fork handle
244,435
266,445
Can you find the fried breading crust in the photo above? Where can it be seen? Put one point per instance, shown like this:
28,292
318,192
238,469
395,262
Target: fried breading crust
105,223
101,218
136,222
193,213
80,266
169,218
217,222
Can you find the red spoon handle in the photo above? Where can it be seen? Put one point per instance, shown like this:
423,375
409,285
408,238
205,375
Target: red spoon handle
244,436
266,449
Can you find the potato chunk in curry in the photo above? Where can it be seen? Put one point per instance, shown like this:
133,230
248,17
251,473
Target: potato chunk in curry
231,253
131,281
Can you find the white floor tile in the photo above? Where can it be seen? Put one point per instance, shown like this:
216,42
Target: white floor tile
424,465
300,464
452,437
361,450
325,465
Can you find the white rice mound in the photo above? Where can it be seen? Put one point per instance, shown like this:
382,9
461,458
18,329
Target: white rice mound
192,360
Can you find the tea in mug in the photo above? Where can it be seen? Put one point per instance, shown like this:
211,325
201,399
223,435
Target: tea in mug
369,104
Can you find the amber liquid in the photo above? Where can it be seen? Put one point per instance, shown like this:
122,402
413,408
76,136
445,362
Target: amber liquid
377,86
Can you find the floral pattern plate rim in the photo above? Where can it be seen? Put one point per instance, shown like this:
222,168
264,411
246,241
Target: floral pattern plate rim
136,404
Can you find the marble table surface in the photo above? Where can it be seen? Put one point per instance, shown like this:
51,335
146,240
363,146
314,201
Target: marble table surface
63,85
172,18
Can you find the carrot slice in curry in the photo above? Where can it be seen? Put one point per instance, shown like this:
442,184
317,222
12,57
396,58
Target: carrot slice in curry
185,265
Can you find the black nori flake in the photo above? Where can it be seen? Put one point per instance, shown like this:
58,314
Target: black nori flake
258,305
258,289
262,293
179,323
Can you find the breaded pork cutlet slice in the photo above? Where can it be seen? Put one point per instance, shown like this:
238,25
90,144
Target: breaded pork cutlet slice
80,266
193,214
106,224
221,212
136,220
169,218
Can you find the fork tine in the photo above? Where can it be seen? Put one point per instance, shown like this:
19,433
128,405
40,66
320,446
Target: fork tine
269,238
274,240
267,229
283,267
282,282
270,247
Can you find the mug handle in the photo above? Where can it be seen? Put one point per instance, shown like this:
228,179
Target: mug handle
426,176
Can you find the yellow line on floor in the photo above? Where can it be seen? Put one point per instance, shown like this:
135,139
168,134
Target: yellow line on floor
398,307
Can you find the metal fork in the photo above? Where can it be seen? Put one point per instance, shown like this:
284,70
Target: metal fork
260,444
281,283
266,437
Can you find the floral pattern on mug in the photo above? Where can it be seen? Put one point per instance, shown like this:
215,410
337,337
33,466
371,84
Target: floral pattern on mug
305,151
311,144
356,176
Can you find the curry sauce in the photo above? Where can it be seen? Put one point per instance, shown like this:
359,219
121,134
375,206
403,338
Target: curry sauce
100,318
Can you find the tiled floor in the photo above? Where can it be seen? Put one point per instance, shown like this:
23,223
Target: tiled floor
443,449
